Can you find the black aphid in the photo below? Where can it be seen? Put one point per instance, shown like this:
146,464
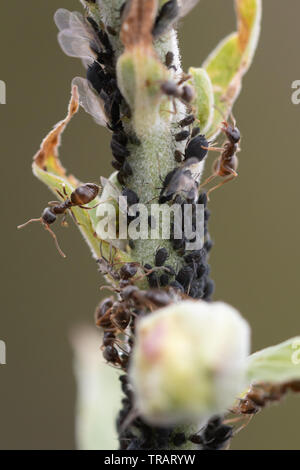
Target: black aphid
195,148
132,197
182,135
161,256
185,276
167,14
187,121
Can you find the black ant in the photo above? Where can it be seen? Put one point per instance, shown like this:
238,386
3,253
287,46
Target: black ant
126,273
227,163
84,194
259,396
114,318
262,394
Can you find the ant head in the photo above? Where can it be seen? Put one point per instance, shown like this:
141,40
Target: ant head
84,194
48,217
232,132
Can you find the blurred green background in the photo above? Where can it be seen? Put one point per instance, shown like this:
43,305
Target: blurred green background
255,221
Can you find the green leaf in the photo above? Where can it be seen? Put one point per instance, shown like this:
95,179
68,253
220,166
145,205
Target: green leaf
48,168
231,59
276,364
204,101
98,393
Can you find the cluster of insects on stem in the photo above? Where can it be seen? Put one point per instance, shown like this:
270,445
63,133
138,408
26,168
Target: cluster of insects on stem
117,317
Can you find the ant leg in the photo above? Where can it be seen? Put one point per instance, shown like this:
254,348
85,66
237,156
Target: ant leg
221,184
60,194
150,271
110,288
208,180
225,123
153,199
89,208
104,317
64,189
53,203
101,252
233,119
220,111
168,111
213,149
183,79
174,105
231,421
64,222
246,422
110,254
29,222
46,226
159,173
73,217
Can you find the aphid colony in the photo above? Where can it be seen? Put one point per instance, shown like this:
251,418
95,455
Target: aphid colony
80,36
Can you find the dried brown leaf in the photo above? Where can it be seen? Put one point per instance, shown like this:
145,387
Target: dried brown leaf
47,157
138,23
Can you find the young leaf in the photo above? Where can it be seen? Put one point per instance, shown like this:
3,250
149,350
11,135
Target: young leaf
231,59
276,364
204,101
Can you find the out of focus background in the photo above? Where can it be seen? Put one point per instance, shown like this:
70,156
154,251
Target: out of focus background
255,220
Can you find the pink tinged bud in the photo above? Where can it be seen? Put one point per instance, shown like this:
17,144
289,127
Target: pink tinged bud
189,361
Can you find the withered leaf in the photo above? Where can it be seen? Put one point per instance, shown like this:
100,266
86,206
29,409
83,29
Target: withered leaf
47,156
138,23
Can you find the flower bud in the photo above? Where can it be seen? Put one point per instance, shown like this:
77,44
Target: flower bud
189,361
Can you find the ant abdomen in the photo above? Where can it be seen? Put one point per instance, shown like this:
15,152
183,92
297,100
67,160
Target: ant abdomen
84,194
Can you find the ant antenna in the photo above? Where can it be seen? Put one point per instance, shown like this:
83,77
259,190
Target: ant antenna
55,240
220,111
46,227
224,116
29,222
